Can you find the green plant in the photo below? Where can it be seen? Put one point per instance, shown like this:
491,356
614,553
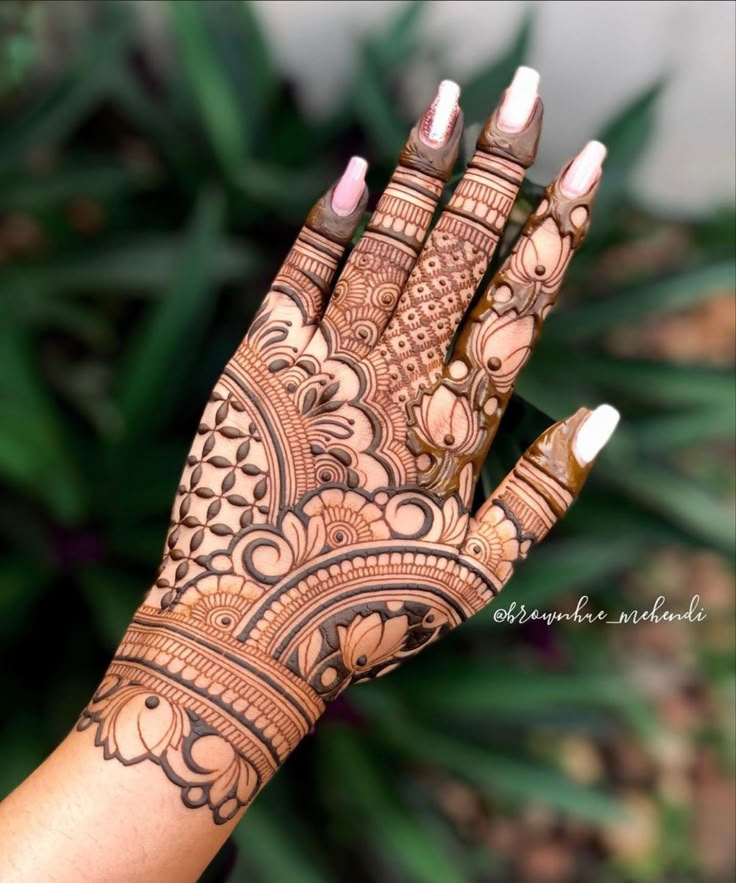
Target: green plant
143,209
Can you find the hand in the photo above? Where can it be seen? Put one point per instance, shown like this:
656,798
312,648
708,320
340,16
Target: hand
321,531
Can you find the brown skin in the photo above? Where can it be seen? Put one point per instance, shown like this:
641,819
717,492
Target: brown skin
321,533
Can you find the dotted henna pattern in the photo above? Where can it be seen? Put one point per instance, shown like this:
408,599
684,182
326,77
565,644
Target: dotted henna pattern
321,533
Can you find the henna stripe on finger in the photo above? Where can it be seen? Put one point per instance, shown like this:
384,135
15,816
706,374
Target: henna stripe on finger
290,312
375,273
537,492
453,423
459,248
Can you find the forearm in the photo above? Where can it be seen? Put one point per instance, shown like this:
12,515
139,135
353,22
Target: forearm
81,817
177,740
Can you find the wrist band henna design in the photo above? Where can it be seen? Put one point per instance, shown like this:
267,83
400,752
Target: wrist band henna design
321,531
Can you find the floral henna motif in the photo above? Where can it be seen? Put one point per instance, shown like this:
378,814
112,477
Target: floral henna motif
224,671
370,286
321,531
135,724
453,422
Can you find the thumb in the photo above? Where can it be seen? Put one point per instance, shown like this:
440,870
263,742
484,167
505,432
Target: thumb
537,492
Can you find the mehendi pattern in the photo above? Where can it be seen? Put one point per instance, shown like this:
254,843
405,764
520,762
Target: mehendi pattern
321,532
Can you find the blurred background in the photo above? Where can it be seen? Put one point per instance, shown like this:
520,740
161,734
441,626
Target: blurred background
156,159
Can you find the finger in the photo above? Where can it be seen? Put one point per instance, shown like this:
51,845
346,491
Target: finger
537,493
293,307
453,423
378,267
460,246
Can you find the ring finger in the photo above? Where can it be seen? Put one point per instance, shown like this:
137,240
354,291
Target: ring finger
452,424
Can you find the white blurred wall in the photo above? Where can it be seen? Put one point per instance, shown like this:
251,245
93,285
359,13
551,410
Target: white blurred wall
592,56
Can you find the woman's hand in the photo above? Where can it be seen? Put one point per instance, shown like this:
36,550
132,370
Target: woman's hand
321,532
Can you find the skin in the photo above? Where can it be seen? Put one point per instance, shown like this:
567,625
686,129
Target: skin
321,532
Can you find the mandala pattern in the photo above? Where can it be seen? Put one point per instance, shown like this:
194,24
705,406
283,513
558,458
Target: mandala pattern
321,532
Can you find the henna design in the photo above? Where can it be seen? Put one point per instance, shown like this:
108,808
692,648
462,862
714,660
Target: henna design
453,423
321,532
457,254
528,502
288,317
370,285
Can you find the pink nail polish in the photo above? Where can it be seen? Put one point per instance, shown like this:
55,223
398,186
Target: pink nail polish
438,122
349,189
584,170
519,101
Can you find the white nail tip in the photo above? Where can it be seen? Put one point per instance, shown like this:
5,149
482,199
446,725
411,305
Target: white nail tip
448,90
349,188
526,77
594,152
521,96
584,169
594,433
358,167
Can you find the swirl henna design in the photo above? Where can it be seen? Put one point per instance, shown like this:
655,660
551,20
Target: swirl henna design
454,422
292,309
371,283
311,546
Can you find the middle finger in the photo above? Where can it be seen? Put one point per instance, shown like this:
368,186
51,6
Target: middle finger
459,248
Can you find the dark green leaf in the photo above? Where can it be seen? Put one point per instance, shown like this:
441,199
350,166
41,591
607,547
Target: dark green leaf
268,846
626,136
667,432
243,55
393,832
554,380
166,340
678,292
47,121
113,598
218,105
513,777
482,92
34,453
92,178
141,265
688,504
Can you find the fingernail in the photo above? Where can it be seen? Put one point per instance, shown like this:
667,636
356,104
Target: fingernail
519,101
438,122
594,432
349,189
584,169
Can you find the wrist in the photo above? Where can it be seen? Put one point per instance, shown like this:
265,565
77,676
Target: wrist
217,716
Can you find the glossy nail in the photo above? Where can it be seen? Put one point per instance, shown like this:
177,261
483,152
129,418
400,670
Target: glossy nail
594,433
349,189
438,122
584,170
519,100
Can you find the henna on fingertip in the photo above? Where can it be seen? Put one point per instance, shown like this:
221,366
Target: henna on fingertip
371,282
332,215
457,252
537,492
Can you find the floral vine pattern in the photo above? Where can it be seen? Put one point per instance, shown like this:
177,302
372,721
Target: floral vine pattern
321,532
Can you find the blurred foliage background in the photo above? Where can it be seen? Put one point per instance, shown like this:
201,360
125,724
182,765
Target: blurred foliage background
144,207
